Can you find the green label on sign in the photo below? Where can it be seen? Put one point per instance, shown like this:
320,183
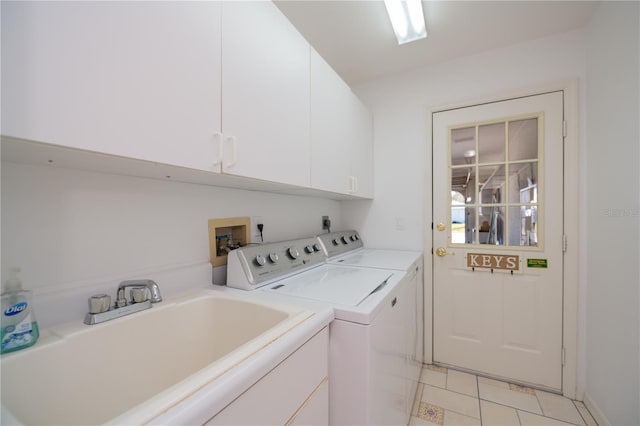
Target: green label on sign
537,263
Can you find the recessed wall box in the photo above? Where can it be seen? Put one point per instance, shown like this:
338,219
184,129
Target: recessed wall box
225,235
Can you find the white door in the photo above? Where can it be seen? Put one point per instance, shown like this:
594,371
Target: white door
498,238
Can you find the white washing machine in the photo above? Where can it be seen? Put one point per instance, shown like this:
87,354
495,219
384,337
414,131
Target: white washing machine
346,248
368,338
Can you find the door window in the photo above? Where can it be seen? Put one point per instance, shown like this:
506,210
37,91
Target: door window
495,187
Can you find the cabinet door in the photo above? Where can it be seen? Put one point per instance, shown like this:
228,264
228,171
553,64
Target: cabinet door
133,79
362,149
265,90
330,138
315,410
279,396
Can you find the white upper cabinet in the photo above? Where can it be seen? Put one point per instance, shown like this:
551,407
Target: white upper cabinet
133,79
225,87
330,111
341,135
265,94
361,149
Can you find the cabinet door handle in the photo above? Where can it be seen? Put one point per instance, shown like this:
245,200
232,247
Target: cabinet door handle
234,151
352,184
218,137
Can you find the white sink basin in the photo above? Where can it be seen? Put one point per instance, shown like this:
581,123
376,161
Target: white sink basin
132,369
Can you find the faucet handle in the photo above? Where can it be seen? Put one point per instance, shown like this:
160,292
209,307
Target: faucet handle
99,303
139,294
154,290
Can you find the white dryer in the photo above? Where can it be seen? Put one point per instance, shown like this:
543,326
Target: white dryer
367,346
347,248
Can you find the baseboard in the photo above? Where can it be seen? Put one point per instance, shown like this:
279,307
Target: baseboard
597,414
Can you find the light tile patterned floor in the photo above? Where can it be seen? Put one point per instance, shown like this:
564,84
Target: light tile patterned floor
448,397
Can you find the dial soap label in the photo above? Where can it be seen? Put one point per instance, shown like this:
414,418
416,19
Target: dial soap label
20,334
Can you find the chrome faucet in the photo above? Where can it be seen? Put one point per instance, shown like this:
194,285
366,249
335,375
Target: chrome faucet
143,294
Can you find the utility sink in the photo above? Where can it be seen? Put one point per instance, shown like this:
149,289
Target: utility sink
132,369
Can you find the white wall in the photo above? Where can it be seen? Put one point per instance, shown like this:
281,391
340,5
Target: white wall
76,233
400,104
613,212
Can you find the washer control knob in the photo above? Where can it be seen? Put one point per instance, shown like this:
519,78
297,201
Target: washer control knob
353,238
344,240
309,249
260,260
273,257
335,242
316,247
293,252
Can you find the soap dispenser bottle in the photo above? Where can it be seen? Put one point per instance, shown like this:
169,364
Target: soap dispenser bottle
19,326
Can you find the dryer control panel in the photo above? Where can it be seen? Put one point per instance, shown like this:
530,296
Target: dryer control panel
256,265
341,242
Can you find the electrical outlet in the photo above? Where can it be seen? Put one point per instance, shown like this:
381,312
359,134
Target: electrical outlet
326,223
255,232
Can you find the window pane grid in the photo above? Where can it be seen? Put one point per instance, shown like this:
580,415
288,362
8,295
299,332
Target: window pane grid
496,200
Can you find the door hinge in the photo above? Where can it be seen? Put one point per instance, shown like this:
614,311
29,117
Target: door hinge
564,128
564,356
564,243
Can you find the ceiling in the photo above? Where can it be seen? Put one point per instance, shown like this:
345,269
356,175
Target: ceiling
356,38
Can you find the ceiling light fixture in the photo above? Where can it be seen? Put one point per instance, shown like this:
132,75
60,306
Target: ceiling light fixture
407,19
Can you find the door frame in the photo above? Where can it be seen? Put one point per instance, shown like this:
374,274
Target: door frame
572,222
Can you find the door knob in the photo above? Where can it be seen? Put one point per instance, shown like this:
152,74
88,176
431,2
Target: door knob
441,251
441,226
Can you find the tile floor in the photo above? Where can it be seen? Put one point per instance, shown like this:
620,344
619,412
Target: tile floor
448,397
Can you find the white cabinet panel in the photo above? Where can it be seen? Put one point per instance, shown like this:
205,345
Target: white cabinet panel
116,78
361,149
265,94
315,410
330,112
341,135
279,395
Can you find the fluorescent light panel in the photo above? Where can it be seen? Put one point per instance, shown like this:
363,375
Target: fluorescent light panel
407,19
